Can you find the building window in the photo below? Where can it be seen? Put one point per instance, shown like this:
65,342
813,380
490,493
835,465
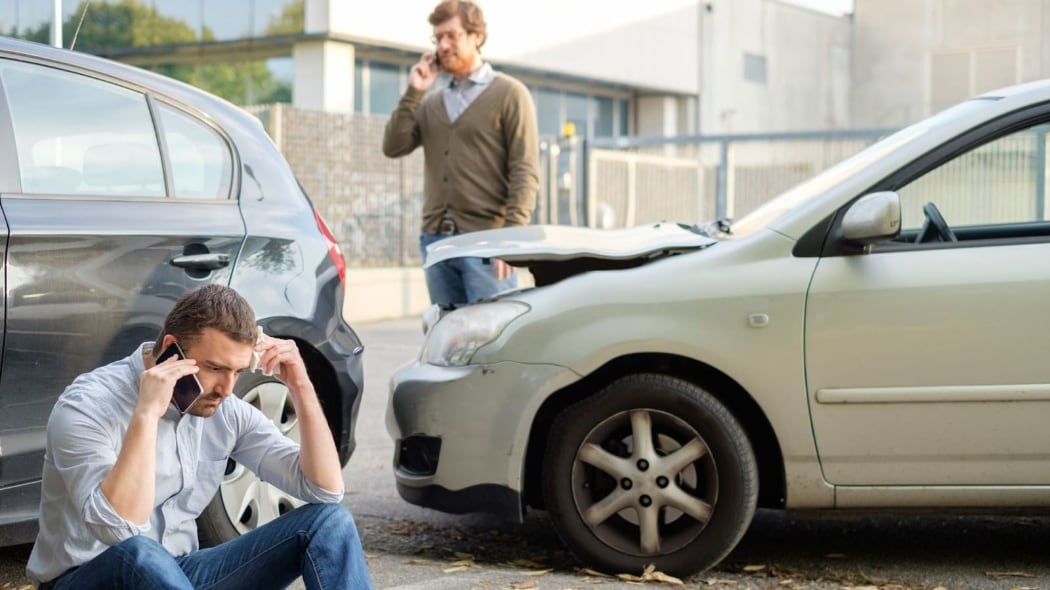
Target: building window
604,123
755,68
384,87
110,24
591,115
548,111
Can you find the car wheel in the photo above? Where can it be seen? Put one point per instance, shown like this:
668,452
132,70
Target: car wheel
244,502
651,470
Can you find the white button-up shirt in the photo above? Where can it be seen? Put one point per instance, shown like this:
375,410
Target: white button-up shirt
84,436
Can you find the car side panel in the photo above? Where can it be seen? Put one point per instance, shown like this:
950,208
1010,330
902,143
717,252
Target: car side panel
698,306
89,280
927,367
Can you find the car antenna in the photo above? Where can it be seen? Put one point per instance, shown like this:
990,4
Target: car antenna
83,13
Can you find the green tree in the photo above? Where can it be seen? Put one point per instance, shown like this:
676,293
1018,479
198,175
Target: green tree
292,20
130,23
118,25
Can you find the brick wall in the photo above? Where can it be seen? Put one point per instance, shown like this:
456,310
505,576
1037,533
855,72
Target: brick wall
371,202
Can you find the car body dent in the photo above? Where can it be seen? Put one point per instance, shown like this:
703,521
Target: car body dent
464,390
553,253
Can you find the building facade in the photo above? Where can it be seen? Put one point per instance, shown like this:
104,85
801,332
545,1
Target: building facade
670,67
913,58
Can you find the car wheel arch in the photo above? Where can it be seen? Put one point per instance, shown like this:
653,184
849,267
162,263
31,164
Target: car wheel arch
767,449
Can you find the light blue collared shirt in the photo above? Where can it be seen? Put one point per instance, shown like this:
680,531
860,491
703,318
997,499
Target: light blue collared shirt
84,435
460,93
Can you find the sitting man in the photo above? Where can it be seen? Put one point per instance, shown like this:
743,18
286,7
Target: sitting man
126,473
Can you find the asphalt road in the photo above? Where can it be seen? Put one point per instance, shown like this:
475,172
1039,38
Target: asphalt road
412,548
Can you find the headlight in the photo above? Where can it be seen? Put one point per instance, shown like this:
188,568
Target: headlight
453,341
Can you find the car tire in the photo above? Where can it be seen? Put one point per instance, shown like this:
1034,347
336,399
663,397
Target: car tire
243,501
650,504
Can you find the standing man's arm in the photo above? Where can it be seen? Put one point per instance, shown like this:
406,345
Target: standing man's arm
402,133
318,456
521,136
129,486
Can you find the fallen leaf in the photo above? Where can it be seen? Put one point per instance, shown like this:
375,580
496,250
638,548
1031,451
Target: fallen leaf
589,572
651,575
457,569
421,562
463,555
523,585
719,582
525,563
754,568
542,572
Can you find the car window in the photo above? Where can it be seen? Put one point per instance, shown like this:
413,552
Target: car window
1000,183
201,164
78,135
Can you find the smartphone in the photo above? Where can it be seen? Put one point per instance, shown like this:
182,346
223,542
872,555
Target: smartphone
188,388
435,62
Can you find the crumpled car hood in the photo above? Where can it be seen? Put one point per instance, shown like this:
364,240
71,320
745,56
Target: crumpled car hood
555,252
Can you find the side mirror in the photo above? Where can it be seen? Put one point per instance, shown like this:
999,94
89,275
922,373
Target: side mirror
873,218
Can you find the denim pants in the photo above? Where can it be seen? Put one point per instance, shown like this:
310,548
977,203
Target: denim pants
461,280
317,541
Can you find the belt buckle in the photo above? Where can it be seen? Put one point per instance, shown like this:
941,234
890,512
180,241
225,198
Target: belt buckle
447,227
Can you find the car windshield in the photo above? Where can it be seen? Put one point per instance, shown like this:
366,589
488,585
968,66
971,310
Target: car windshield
817,185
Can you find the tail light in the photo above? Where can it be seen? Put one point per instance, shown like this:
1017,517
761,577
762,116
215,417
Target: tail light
334,252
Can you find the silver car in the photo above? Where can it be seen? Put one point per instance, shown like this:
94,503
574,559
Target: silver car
875,338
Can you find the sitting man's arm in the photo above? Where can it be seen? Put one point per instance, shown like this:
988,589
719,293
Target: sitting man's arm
318,457
130,484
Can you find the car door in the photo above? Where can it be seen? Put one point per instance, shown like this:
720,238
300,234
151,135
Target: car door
116,203
926,362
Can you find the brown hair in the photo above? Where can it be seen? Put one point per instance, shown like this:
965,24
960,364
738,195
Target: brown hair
208,306
469,14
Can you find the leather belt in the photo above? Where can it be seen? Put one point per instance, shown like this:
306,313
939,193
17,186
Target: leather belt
447,227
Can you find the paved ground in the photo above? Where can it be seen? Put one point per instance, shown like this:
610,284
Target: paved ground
413,548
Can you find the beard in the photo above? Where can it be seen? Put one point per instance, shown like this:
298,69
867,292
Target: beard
453,63
204,407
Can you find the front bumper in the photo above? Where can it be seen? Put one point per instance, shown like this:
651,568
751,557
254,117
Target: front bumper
461,433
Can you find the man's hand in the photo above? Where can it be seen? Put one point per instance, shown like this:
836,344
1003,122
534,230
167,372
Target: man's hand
318,456
502,269
281,359
158,383
426,70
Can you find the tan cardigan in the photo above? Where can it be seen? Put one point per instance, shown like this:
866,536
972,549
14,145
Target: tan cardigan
483,168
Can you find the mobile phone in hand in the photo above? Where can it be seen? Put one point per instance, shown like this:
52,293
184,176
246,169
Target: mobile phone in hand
188,388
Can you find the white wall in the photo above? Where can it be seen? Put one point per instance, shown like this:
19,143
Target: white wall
807,68
914,57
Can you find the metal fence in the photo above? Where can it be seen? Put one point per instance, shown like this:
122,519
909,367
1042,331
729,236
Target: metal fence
373,203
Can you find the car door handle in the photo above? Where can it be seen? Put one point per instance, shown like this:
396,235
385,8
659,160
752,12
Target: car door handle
202,261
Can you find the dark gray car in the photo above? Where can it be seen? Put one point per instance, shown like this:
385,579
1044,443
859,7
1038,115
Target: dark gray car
119,190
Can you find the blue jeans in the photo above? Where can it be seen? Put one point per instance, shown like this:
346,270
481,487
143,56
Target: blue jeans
317,541
461,280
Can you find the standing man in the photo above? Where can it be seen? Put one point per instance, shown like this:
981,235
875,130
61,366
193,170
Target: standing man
127,470
480,146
